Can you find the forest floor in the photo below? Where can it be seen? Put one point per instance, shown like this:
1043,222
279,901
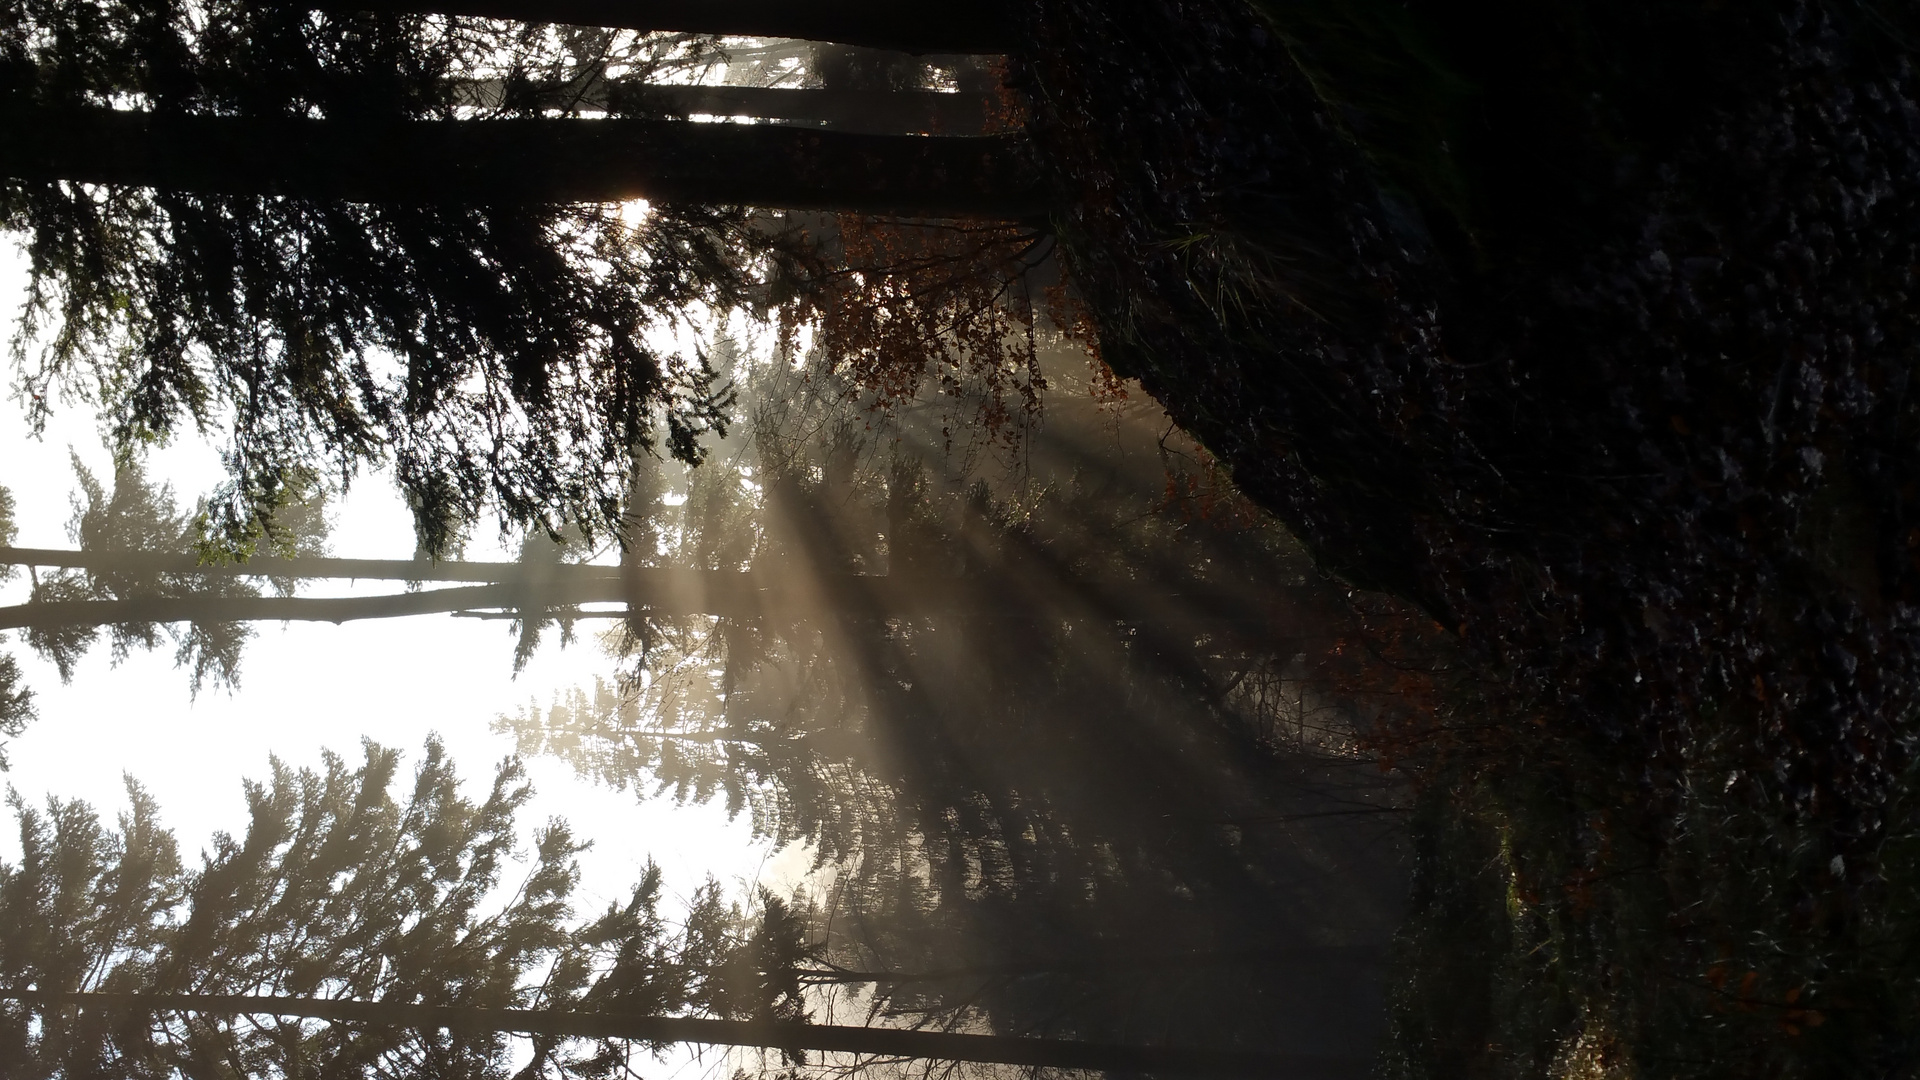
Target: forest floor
1565,926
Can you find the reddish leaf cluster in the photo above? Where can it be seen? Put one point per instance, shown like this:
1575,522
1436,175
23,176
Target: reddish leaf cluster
899,306
1387,663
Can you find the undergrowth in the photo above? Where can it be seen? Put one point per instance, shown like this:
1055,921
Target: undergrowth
1566,925
1587,330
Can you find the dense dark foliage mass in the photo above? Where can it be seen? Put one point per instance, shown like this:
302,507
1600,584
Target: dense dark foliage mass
1588,328
400,280
503,355
1627,380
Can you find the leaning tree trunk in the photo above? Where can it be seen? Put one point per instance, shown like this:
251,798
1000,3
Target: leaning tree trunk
524,161
880,1042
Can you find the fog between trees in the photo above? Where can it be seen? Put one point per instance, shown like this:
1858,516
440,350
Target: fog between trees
1023,673
821,444
1096,801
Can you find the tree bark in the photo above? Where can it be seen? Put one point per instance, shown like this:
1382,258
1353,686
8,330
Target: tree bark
666,592
943,26
525,161
874,112
156,562
1346,955
884,1042
920,111
661,590
65,614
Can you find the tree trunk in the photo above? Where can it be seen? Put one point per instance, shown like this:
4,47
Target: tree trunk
922,111
659,592
64,614
533,588
522,161
156,562
889,112
944,26
886,1042
665,592
1324,955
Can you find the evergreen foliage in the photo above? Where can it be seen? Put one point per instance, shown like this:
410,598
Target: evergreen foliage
138,518
1091,811
339,888
16,700
497,355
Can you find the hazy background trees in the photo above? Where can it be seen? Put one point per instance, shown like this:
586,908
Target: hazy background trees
341,887
16,699
1105,796
1036,694
133,521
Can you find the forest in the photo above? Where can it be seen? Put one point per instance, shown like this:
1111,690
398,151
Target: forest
1236,538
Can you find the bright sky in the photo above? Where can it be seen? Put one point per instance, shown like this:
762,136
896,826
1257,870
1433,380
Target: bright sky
308,687
305,687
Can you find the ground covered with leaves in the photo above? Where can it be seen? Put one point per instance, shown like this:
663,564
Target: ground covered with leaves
1586,331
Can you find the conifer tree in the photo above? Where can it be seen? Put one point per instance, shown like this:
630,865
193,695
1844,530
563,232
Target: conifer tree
1090,810
525,376
136,520
350,933
340,889
302,234
16,701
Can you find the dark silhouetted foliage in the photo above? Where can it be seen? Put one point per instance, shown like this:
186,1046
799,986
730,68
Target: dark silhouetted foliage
491,355
1587,329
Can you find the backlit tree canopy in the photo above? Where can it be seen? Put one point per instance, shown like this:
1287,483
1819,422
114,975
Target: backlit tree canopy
341,889
492,353
500,347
